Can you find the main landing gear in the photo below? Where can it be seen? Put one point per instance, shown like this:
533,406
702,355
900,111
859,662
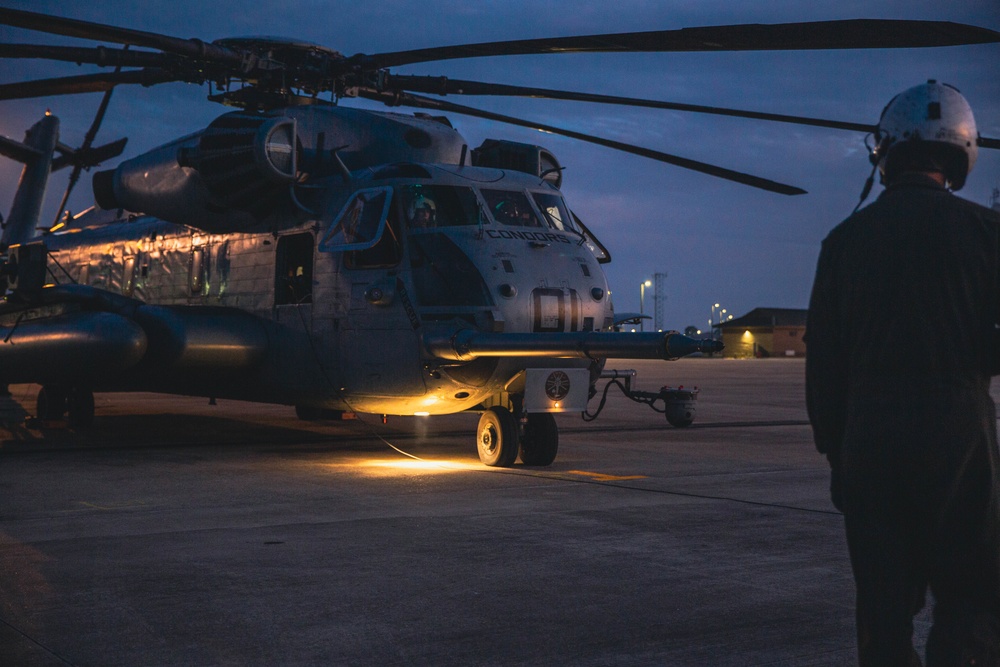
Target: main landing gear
500,439
75,403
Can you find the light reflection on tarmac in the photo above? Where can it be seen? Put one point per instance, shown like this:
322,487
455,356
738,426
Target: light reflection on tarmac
179,533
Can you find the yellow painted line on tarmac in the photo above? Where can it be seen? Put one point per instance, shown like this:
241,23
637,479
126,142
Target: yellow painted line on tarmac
601,477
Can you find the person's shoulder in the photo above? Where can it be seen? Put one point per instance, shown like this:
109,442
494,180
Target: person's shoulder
848,224
972,208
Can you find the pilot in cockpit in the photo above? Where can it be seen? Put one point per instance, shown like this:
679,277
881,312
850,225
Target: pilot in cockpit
422,213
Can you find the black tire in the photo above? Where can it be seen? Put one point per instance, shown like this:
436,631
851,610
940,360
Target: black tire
680,416
496,438
308,413
50,403
81,407
541,440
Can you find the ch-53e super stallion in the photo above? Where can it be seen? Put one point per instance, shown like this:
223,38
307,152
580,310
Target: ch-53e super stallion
301,252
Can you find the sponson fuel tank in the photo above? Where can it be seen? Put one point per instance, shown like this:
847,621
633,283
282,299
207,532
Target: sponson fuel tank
80,345
126,335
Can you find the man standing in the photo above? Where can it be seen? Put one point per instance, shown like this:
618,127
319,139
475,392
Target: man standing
902,341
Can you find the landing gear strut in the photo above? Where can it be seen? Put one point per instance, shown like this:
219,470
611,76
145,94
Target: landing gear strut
55,401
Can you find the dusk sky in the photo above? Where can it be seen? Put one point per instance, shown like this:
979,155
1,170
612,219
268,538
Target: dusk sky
719,242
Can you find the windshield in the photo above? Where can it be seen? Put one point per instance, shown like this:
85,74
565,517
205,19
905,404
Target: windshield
432,206
509,207
555,212
360,223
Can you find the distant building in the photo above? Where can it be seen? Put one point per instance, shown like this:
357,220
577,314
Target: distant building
765,332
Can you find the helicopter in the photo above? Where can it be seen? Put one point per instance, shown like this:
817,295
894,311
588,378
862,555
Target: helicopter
300,251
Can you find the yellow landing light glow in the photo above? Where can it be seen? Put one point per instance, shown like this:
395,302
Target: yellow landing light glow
421,414
404,467
747,335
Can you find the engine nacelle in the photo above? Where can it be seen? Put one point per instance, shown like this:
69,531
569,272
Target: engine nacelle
530,159
243,158
225,178
238,173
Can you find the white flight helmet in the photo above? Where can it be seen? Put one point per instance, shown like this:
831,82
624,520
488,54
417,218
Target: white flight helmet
421,202
934,113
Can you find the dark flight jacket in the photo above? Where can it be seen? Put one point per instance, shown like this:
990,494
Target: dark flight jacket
901,335
901,344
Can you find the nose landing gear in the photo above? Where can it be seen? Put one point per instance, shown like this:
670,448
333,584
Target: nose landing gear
500,439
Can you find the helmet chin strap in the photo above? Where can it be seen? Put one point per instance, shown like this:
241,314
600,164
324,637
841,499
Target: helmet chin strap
865,191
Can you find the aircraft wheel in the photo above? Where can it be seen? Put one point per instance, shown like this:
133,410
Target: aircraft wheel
680,422
541,440
81,407
497,439
51,403
308,413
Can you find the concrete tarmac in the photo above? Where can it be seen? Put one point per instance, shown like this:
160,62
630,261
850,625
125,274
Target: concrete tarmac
174,532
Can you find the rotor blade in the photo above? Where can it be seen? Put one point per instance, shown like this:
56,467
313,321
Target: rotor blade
986,142
445,86
15,150
406,99
92,156
847,34
440,85
84,149
85,83
58,25
73,177
96,125
98,56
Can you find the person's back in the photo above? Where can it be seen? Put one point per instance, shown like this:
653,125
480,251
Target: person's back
916,272
901,344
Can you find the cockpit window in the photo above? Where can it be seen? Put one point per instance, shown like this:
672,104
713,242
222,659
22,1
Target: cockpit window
433,206
555,212
512,208
360,224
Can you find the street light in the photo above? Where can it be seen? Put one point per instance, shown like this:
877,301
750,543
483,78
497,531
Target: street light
642,299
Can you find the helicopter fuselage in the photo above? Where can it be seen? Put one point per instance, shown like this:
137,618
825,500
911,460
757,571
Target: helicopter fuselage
348,314
337,260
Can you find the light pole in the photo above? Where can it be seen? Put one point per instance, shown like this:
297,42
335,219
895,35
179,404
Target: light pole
642,299
711,321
